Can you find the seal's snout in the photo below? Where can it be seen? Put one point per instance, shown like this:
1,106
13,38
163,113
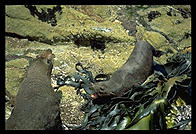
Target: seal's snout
93,95
98,90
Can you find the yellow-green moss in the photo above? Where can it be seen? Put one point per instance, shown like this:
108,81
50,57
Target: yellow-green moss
70,104
71,23
167,24
14,77
173,112
18,12
17,63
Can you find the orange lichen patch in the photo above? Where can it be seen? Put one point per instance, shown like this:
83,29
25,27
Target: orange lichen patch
90,11
187,49
117,22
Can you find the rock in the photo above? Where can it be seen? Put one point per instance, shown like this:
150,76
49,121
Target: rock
35,28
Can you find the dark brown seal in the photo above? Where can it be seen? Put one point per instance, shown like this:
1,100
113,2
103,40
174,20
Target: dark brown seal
37,105
134,72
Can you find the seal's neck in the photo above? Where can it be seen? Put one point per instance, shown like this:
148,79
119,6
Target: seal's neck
38,69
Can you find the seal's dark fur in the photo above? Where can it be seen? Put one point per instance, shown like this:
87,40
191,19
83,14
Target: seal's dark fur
37,105
134,72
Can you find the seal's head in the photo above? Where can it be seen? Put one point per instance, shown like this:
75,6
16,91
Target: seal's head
101,90
46,58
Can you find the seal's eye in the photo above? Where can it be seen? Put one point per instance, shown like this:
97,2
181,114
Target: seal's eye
49,61
101,89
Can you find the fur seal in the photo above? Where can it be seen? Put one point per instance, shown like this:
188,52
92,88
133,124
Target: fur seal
37,105
133,72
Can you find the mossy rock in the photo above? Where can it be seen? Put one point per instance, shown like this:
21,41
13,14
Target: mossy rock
71,24
168,25
14,77
70,106
17,63
15,70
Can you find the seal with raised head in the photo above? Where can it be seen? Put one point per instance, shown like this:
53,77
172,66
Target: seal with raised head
37,105
133,72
